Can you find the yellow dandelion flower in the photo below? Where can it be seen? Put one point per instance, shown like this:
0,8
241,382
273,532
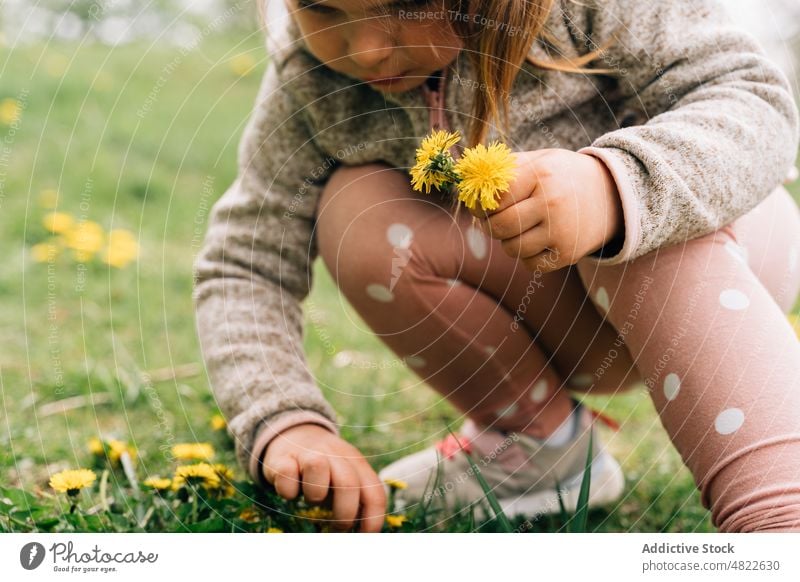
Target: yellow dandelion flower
396,520
9,111
218,422
242,64
122,248
433,164
72,481
48,198
117,448
274,530
199,474
396,483
193,451
85,238
225,474
250,515
45,252
484,173
158,483
96,447
315,512
58,222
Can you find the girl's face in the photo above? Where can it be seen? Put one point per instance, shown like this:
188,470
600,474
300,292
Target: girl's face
393,45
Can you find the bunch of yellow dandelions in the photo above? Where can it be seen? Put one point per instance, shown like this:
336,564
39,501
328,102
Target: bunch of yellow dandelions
480,175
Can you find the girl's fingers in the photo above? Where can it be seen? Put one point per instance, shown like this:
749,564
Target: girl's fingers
373,500
316,472
284,475
528,244
516,219
346,493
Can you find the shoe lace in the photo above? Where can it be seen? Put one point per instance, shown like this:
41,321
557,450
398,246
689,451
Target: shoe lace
449,446
607,420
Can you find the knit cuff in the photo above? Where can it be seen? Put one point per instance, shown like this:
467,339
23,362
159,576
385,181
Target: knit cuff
630,210
268,430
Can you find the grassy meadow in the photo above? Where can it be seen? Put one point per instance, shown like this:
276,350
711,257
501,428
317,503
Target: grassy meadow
142,138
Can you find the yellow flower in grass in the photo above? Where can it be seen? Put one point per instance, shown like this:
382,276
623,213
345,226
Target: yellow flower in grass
250,515
45,252
218,422
396,520
315,512
117,448
96,447
225,475
274,530
9,111
112,449
396,483
85,239
58,222
484,174
197,475
158,483
72,481
122,248
242,64
193,451
434,164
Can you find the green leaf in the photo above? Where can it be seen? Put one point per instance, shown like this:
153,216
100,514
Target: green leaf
18,497
582,508
563,513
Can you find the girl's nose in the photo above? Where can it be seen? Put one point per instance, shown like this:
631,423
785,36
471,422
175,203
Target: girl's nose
370,44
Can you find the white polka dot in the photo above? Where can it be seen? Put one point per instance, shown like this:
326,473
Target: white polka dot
601,298
489,349
380,293
453,282
415,361
672,385
734,299
399,235
476,241
581,380
507,411
793,259
738,252
539,392
729,421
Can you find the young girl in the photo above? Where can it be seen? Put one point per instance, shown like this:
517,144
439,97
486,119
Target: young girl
645,240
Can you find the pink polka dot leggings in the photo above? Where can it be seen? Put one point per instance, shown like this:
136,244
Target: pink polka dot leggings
701,326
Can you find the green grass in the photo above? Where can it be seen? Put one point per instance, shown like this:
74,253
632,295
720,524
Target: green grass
80,133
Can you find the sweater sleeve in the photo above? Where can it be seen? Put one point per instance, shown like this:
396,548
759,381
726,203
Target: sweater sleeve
712,124
252,273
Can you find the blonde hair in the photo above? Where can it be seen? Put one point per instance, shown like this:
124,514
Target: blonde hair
497,52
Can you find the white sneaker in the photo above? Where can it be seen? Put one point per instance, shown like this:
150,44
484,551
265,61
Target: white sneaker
521,471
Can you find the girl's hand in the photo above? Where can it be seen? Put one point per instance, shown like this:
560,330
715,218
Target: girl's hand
310,457
561,206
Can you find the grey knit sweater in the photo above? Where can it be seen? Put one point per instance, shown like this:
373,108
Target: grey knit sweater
696,125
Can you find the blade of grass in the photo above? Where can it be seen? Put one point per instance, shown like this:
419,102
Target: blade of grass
502,519
563,514
581,517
